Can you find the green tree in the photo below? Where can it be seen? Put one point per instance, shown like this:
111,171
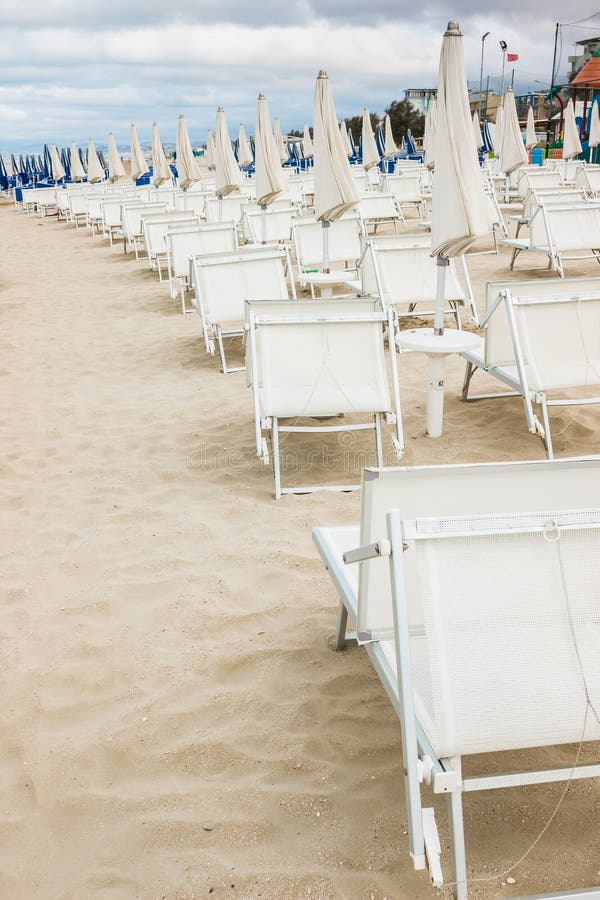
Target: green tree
404,115
355,124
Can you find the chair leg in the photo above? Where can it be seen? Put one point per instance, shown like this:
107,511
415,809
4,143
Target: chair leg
378,440
340,633
457,843
469,372
546,424
276,461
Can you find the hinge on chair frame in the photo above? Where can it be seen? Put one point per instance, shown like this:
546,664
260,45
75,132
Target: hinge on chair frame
370,551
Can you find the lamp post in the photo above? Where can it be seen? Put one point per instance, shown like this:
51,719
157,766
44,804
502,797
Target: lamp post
481,73
503,47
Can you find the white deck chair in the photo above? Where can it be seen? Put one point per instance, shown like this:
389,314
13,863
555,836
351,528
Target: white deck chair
46,200
457,597
546,197
588,178
376,208
345,247
154,230
560,231
541,338
77,208
535,178
111,215
319,359
224,281
401,273
191,201
406,188
225,209
131,223
183,244
277,224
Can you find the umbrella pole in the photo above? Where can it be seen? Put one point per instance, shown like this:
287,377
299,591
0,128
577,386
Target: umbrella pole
220,207
264,223
325,224
440,294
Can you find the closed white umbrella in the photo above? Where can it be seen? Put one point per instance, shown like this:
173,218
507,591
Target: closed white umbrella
594,138
139,166
244,151
58,170
477,131
512,150
77,170
459,215
228,175
307,144
188,170
210,150
269,179
370,153
345,139
335,187
160,166
279,142
571,142
429,135
116,169
389,146
498,129
95,171
530,135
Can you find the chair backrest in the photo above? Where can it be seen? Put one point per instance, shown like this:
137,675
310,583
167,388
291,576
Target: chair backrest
111,210
588,178
317,357
190,201
156,225
225,209
377,205
499,347
224,281
344,241
550,197
510,606
77,203
185,243
405,273
457,490
277,220
406,187
573,226
530,180
131,216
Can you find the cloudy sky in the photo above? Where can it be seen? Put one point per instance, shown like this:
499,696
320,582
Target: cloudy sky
70,70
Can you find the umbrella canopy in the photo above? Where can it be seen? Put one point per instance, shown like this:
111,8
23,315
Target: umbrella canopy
477,131
594,138
139,166
335,187
459,211
279,142
389,148
429,135
58,171
370,153
307,144
116,169
498,129
77,170
530,136
160,166
210,150
64,158
571,142
94,166
188,170
488,137
244,151
269,174
228,175
347,139
512,150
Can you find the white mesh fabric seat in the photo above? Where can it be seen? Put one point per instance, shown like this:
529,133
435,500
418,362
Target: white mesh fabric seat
344,240
541,337
531,179
185,243
588,177
154,230
277,224
318,359
558,230
131,222
225,209
224,281
406,188
376,207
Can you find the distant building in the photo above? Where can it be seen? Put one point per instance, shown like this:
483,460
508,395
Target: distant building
537,99
489,104
420,97
589,46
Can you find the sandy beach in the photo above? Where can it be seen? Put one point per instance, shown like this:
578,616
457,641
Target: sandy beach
175,721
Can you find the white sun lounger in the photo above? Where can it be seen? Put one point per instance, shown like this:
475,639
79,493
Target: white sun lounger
183,244
319,359
453,579
546,197
534,178
277,224
541,338
224,281
154,230
225,209
131,223
401,272
588,178
560,231
376,208
406,188
111,215
345,248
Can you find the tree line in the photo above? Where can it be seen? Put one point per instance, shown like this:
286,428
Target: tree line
403,116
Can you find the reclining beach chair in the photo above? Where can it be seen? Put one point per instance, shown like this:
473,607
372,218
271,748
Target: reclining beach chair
277,223
319,359
111,214
225,209
555,231
546,197
541,338
401,273
131,223
154,230
183,244
46,200
406,188
469,591
192,202
588,178
376,208
345,249
536,177
224,281
77,208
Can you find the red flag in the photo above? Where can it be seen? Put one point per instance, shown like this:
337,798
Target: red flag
512,57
